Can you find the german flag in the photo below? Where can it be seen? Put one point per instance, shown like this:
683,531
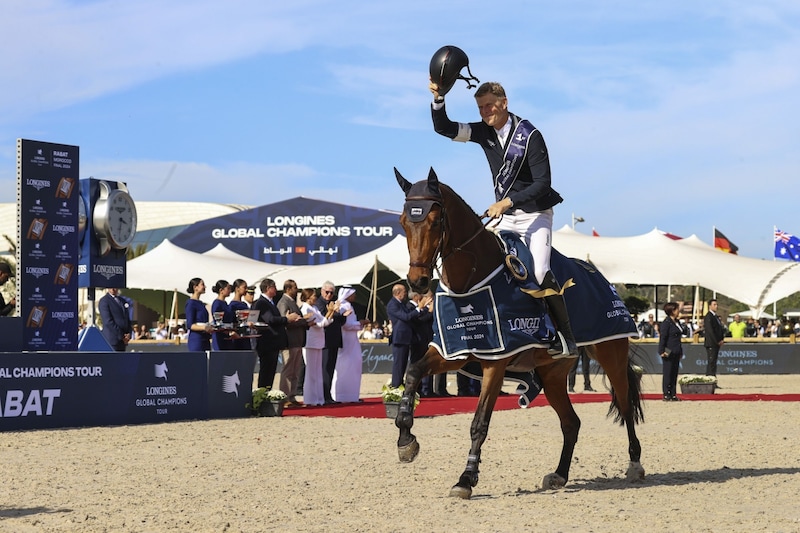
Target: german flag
721,242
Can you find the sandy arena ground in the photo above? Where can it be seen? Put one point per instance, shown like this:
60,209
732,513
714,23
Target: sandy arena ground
711,466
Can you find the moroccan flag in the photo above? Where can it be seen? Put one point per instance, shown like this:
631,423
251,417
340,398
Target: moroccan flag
787,246
594,233
721,242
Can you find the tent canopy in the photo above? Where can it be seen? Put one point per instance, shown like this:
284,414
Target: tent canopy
649,259
654,259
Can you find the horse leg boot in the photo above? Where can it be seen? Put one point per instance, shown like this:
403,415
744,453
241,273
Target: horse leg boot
557,308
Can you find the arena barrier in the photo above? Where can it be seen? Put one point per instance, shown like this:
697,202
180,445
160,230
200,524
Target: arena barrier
70,389
734,358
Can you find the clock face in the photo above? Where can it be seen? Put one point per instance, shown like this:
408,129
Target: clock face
121,219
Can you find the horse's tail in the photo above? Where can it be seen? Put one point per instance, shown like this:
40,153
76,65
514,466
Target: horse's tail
634,394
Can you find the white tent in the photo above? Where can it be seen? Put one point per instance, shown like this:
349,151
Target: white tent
169,267
654,259
649,259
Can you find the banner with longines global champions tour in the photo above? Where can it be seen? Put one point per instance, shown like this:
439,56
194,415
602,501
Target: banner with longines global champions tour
295,232
47,237
71,389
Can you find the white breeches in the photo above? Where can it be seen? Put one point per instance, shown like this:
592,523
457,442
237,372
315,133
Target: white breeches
536,230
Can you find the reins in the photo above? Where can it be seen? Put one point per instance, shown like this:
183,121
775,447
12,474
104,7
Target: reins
455,249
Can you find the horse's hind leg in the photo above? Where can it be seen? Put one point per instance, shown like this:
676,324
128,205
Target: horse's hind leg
554,379
491,384
626,402
431,363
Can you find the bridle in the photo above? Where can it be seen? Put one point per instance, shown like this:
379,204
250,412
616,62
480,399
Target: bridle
444,224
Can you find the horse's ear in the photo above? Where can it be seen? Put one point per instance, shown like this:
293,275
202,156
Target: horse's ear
404,183
433,182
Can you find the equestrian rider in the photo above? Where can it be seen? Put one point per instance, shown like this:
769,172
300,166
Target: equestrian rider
518,159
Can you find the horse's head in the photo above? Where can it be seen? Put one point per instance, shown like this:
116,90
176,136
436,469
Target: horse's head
423,222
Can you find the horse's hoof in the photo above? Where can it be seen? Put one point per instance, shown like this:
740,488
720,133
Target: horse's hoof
408,452
635,472
553,481
461,492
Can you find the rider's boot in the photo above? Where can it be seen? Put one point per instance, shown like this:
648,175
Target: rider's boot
563,347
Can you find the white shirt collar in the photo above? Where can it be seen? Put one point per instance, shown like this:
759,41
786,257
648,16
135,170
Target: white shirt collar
502,133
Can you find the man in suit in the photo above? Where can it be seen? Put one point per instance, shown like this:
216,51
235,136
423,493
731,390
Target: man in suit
714,337
333,338
273,337
296,338
423,334
114,312
402,313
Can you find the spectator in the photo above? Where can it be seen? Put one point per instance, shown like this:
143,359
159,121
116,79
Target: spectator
221,312
117,329
737,327
423,334
402,313
5,274
751,330
333,337
161,332
199,339
296,339
583,359
346,383
312,351
671,351
273,337
250,295
714,337
648,329
144,333
366,333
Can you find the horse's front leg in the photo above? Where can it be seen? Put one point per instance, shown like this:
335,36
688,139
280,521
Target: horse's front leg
431,363
490,388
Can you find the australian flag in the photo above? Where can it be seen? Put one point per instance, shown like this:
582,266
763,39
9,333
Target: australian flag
787,246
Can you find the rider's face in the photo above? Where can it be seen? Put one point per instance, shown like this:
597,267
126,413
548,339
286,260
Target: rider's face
493,110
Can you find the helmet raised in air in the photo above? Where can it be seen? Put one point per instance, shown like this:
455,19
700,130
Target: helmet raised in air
446,66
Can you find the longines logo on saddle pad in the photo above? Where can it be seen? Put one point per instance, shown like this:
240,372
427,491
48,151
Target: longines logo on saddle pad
492,321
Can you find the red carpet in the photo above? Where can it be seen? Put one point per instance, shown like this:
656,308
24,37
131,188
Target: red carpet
373,407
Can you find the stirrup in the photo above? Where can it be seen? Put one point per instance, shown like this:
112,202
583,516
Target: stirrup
558,348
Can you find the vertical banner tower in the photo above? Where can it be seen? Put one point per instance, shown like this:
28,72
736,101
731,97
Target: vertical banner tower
47,244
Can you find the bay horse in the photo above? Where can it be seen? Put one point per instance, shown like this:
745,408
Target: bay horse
451,234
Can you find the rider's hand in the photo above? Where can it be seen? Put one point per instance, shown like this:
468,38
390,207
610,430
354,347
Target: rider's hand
497,209
434,89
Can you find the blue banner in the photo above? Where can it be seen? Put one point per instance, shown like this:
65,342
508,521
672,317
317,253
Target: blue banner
230,383
92,389
47,253
300,231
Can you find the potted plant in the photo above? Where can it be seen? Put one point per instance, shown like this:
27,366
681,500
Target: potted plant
267,402
697,384
391,399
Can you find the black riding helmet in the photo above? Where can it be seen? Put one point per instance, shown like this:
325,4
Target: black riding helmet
446,66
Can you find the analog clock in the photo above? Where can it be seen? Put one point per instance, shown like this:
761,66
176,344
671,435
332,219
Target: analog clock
114,218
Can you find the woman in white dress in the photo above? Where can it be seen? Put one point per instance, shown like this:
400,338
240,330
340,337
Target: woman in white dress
312,351
346,383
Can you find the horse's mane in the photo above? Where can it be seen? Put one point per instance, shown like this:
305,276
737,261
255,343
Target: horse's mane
458,197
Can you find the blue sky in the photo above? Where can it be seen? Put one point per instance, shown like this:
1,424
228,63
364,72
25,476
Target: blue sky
679,115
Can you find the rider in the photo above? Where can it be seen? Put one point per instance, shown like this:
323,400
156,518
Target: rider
524,198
